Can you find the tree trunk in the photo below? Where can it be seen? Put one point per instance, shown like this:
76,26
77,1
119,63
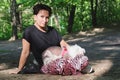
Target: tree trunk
57,22
13,10
71,19
19,20
94,12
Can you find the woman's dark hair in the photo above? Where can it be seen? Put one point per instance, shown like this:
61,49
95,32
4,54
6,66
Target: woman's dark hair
39,7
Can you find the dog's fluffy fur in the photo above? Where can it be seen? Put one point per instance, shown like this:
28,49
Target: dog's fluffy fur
75,50
51,54
55,52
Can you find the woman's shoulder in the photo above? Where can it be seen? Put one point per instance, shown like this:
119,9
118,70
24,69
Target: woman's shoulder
51,28
30,28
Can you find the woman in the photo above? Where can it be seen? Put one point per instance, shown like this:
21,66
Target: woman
38,37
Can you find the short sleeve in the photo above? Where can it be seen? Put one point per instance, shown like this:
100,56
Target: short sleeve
26,35
58,36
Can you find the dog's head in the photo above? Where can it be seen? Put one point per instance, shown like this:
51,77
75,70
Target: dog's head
55,52
51,54
75,50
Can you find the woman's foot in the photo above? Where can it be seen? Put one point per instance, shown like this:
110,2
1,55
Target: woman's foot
87,70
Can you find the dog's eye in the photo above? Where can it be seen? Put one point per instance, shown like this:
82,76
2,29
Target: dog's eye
45,56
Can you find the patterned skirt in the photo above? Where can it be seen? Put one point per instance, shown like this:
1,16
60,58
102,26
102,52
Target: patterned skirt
64,66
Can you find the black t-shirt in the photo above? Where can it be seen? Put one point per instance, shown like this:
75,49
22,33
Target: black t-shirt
40,41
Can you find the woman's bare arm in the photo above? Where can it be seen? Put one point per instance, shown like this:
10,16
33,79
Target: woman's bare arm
24,55
63,44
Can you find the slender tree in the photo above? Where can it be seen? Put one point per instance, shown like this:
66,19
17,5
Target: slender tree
94,4
71,19
13,11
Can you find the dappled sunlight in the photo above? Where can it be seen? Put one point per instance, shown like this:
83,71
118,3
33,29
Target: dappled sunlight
92,32
98,30
112,56
100,42
82,35
101,67
7,71
110,48
3,66
83,39
105,40
102,50
77,39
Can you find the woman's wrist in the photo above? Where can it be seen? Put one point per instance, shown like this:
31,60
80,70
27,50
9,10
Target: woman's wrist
18,70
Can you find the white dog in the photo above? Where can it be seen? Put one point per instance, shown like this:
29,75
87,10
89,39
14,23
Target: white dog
55,52
75,50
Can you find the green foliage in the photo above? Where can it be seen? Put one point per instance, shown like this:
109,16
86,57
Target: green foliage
82,17
5,26
5,30
107,11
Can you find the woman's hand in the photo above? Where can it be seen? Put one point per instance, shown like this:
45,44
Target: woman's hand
14,71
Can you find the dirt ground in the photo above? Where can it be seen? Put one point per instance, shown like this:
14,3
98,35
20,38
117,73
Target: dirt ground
102,47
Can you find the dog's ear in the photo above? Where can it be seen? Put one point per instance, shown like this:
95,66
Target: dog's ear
68,47
75,45
46,54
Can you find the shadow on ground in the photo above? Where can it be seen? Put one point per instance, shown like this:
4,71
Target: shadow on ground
103,50
102,47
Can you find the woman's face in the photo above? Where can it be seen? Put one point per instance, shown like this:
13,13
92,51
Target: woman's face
41,19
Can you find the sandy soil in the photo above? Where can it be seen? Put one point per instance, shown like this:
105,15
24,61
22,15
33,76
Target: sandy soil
102,47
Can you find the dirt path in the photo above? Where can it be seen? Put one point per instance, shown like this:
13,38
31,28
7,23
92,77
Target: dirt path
102,47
